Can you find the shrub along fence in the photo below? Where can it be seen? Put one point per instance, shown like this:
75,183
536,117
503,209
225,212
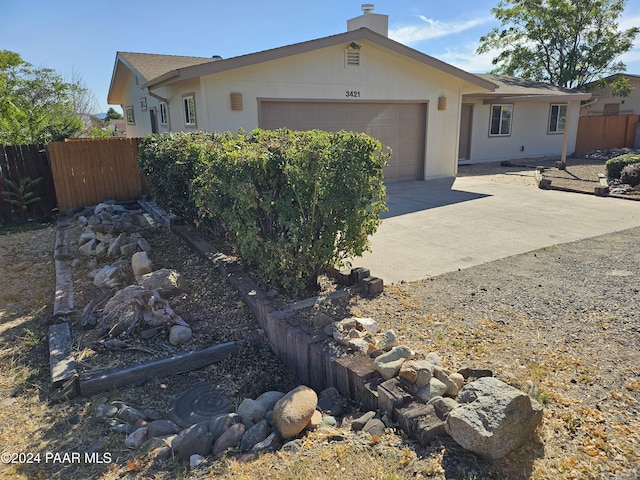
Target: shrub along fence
20,163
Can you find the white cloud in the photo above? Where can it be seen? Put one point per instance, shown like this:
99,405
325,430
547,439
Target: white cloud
467,59
430,28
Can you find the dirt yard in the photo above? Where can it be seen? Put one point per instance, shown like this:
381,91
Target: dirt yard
565,317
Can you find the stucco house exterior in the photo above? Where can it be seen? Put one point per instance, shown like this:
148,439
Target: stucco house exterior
604,103
359,80
519,119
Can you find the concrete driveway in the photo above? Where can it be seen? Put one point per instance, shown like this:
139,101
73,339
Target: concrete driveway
438,226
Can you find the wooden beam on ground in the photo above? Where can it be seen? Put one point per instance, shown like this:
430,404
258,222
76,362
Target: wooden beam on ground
63,301
101,381
61,360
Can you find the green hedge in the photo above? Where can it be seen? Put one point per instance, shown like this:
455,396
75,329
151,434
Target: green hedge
615,165
292,202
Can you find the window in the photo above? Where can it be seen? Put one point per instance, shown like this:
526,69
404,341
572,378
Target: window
611,109
500,120
129,115
189,110
557,118
164,113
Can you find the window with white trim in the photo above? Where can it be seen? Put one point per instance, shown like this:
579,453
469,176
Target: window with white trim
164,113
500,122
189,105
557,118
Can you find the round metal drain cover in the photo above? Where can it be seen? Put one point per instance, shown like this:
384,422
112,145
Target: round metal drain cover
199,404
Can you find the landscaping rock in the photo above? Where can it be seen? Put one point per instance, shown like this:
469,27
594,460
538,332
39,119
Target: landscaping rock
179,335
269,444
388,364
255,434
195,439
230,438
292,413
161,428
493,418
251,411
222,423
136,438
388,341
375,426
141,264
358,423
435,389
416,371
129,414
164,280
269,399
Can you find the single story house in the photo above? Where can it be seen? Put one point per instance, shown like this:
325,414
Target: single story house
520,118
359,80
604,103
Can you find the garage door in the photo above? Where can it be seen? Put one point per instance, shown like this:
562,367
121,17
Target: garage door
400,126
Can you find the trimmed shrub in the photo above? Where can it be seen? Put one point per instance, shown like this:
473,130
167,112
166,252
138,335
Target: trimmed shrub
292,203
631,174
169,163
614,166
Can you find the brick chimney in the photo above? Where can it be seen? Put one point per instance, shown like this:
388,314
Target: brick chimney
373,21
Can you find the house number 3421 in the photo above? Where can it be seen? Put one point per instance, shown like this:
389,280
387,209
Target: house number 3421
352,93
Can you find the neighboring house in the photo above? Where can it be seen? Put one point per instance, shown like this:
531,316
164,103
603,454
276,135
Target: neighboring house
359,80
605,104
520,119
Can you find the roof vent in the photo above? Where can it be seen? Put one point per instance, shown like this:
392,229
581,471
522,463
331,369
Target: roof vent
216,57
367,8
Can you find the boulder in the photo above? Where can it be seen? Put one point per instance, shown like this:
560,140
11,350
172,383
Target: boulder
292,413
388,341
493,418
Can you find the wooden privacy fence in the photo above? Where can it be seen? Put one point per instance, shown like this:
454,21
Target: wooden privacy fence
602,133
86,172
18,162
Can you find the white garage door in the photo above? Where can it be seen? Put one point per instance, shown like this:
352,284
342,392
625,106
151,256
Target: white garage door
400,126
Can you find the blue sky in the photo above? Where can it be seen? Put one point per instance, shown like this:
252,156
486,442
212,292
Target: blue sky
81,37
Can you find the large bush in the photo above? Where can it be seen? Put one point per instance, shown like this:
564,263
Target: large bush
169,162
615,165
293,202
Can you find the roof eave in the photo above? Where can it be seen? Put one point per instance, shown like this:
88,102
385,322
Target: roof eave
303,47
506,98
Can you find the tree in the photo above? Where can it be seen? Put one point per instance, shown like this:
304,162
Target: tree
568,43
36,105
113,115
